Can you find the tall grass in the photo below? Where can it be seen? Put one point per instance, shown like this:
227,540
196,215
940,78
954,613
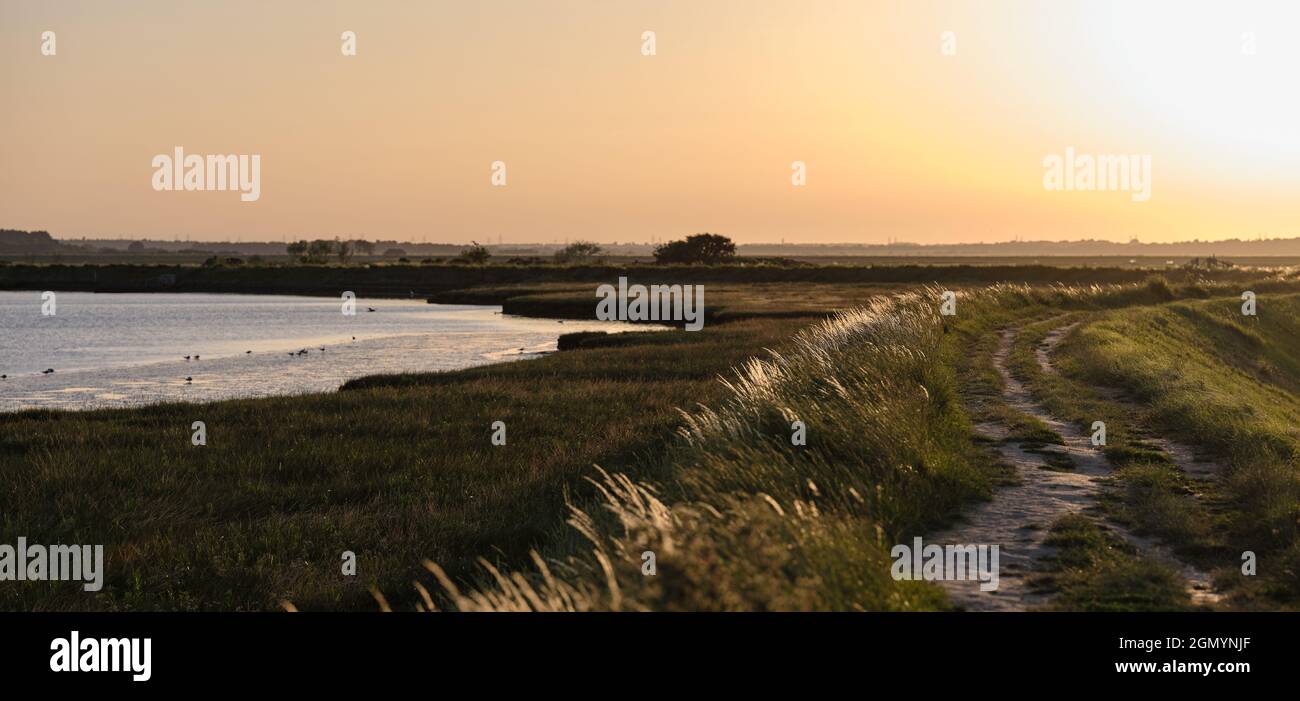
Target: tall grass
748,521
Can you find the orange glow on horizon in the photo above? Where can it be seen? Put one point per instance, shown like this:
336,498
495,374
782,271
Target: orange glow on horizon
601,142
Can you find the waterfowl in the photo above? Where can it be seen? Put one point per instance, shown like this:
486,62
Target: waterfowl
47,371
189,380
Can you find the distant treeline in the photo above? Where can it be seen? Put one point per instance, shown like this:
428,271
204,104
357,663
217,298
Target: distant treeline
426,280
41,243
1242,248
14,242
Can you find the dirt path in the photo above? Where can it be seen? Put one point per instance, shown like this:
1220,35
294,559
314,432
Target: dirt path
1018,517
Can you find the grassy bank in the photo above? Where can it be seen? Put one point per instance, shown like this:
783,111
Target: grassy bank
1145,371
1225,383
748,520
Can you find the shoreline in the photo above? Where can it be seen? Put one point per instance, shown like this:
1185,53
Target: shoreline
89,383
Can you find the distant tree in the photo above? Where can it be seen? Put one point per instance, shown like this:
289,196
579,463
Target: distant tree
136,247
320,250
363,247
297,249
394,253
700,248
344,251
475,255
578,251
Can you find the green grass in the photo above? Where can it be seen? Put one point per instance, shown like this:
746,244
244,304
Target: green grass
395,469
889,456
747,521
1225,383
702,472
1095,570
1147,493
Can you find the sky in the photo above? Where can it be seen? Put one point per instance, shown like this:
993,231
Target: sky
927,122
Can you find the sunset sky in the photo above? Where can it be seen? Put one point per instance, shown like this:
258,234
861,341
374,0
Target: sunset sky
601,142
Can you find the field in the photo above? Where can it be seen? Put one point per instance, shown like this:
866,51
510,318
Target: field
396,472
680,444
440,280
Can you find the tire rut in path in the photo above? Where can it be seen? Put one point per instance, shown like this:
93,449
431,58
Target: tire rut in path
1199,584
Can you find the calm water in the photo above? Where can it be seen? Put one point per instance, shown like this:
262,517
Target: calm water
110,350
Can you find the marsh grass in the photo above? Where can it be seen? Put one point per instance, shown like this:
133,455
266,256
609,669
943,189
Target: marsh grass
700,472
396,469
747,522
